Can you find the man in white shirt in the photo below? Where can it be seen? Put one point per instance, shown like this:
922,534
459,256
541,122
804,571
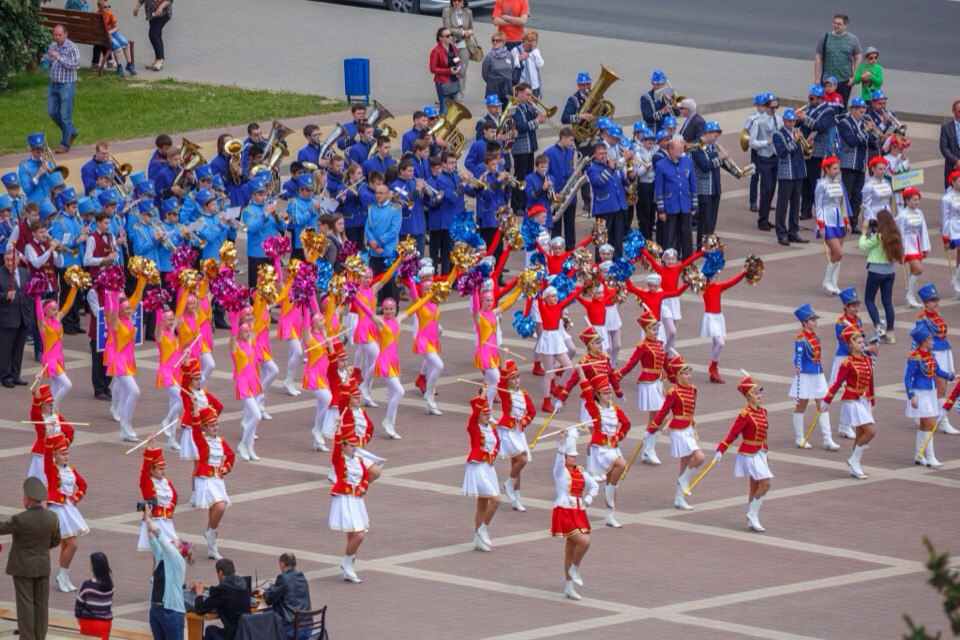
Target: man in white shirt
528,59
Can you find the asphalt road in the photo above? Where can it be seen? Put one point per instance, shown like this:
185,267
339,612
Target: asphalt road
914,36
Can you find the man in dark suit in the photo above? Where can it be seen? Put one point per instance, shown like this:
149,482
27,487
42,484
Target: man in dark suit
16,319
35,531
950,142
692,128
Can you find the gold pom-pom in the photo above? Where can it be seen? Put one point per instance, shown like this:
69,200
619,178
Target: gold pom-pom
712,243
314,243
355,267
189,280
75,276
293,266
529,280
336,285
753,265
599,232
141,267
267,283
210,268
440,290
463,257
694,278
228,254
407,246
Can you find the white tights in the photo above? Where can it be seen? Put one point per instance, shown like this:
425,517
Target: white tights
174,408
125,395
492,378
207,365
249,421
432,368
294,358
60,385
324,397
718,342
366,358
670,329
268,373
614,338
394,394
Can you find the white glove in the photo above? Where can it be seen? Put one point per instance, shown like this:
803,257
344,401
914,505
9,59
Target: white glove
717,456
588,500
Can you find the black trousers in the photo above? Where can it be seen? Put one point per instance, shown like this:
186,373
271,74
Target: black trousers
355,235
809,187
12,342
788,208
844,90
853,183
156,35
98,372
564,224
440,247
252,265
677,234
708,208
71,319
615,230
754,182
646,210
522,167
767,168
389,289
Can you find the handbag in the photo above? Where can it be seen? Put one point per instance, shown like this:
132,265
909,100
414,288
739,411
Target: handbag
448,89
474,50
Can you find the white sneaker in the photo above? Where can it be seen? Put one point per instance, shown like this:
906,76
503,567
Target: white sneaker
611,521
570,592
291,388
949,429
753,523
830,445
243,452
485,535
575,576
845,431
856,470
650,457
479,544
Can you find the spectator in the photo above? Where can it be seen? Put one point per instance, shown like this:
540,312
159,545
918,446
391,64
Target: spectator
167,610
118,42
158,14
950,142
230,599
883,245
838,54
693,123
94,605
674,187
869,74
290,593
64,59
497,69
331,225
382,233
16,318
445,67
510,16
528,60
458,19
35,531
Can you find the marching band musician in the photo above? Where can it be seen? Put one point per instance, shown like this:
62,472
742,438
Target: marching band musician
752,194
539,188
194,397
608,196
310,152
492,115
11,182
447,180
353,130
492,197
480,474
518,412
809,381
882,119
877,193
417,131
950,224
675,185
916,240
7,221
302,212
35,174
593,363
752,426
174,234
479,147
856,376
360,150
527,118
191,208
791,173
381,160
412,192
819,121
855,139
761,141
262,222
707,158
351,205
652,358
65,488
610,427
100,251
572,108
348,509
159,496
832,212
653,104
68,231
215,459
919,378
941,349
575,490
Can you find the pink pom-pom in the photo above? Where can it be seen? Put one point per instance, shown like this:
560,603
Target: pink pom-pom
155,299
350,289
228,294
304,284
409,267
348,249
467,283
276,246
111,278
184,257
39,284
172,279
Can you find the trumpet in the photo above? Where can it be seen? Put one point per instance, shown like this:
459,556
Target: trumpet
803,143
401,197
898,127
431,191
476,183
51,164
512,181
548,112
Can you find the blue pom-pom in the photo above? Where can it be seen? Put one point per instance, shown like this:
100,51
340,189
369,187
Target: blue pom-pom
483,268
537,258
621,270
568,264
529,231
564,285
713,263
464,229
632,245
324,273
523,325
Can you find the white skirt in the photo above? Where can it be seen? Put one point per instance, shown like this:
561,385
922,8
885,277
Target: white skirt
600,459
670,308
208,492
551,343
808,386
72,523
613,321
513,442
480,480
754,466
188,448
166,527
856,413
604,337
348,514
650,395
945,360
713,325
927,405
683,442
36,470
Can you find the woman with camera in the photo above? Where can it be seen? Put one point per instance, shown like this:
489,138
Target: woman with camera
445,66
458,19
883,245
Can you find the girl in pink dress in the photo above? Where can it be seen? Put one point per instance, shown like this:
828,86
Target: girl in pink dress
51,335
315,374
207,363
168,368
266,365
289,329
191,332
486,315
246,384
365,331
120,359
426,341
387,365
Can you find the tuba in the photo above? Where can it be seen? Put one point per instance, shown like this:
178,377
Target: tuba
234,148
595,105
276,146
446,127
745,140
190,159
376,118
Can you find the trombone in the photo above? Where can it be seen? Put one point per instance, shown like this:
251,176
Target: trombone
548,112
51,164
120,174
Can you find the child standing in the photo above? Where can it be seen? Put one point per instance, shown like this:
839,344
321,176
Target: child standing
118,42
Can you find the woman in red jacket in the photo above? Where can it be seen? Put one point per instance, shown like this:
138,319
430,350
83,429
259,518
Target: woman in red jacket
652,358
65,488
348,509
751,424
856,376
551,345
46,422
518,412
158,495
215,461
444,65
480,476
681,401
194,399
574,490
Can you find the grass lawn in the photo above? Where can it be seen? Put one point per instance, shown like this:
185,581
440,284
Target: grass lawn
111,108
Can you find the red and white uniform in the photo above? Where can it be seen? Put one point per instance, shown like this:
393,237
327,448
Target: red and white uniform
194,401
551,341
45,427
574,490
162,493
652,359
610,427
215,460
65,488
713,323
681,401
856,377
751,425
670,280
597,309
592,366
348,511
916,238
518,412
480,476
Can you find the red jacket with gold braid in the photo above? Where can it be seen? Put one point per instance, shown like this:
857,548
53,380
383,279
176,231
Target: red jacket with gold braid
342,487
751,424
54,494
506,402
202,467
856,372
36,416
149,492
601,437
681,400
652,358
336,384
348,427
592,366
190,415
477,451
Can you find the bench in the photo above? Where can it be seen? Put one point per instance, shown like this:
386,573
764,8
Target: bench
83,27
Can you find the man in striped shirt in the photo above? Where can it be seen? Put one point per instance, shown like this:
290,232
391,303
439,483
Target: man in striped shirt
64,59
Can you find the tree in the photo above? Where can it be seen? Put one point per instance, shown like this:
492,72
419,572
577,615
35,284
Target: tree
947,583
22,38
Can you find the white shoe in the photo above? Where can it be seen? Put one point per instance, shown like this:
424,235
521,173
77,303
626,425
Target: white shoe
210,536
517,505
291,388
845,431
650,457
127,434
63,582
243,452
611,521
932,461
253,454
479,544
432,409
856,470
570,592
830,445
508,490
803,445
485,535
575,576
265,415
390,430
679,502
349,575
753,523
912,300
949,429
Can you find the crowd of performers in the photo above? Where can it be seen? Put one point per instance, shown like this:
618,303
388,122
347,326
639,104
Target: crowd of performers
320,312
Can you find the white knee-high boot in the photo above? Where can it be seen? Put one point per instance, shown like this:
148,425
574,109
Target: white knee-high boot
294,365
825,431
798,431
323,397
60,386
207,365
912,291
